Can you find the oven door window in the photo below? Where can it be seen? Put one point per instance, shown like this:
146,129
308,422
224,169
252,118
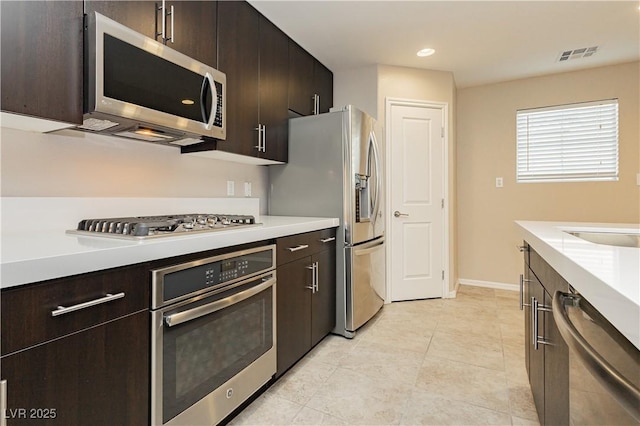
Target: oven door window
202,354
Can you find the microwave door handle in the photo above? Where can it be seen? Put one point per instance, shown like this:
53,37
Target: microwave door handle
621,388
208,117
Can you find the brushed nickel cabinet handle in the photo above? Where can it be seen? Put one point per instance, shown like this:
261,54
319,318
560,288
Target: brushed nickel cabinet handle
535,308
61,310
3,403
327,240
522,281
296,248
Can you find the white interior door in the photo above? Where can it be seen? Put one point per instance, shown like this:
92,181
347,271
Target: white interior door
416,207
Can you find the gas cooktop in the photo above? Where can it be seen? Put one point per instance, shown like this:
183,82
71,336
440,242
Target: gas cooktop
143,227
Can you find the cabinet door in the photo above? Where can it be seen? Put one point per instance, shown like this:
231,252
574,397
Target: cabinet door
195,27
140,16
41,43
238,44
537,357
323,85
323,307
301,65
293,312
193,30
96,377
556,372
274,71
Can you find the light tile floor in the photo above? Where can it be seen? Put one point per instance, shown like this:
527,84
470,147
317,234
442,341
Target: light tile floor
432,362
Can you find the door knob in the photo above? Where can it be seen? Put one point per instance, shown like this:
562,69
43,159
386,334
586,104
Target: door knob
398,214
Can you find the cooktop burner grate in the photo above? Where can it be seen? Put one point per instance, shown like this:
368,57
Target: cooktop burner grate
142,227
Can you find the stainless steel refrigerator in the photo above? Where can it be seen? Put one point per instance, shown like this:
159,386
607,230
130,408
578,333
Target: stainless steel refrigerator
335,170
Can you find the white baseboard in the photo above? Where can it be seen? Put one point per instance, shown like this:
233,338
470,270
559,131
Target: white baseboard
452,293
489,284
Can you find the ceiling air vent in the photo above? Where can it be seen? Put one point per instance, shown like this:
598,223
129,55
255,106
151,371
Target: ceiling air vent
583,52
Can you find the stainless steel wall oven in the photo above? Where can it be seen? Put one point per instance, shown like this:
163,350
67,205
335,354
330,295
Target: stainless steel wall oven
213,335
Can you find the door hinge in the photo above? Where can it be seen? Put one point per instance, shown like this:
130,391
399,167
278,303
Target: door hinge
443,275
442,132
442,203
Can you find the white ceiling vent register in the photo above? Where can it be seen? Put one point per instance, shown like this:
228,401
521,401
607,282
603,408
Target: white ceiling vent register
583,52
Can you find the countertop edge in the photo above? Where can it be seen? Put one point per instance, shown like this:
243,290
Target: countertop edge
58,264
610,302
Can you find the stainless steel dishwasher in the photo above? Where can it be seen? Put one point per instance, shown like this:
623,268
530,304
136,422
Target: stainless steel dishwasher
604,367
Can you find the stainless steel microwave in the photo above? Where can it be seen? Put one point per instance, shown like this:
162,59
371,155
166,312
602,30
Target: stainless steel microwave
136,87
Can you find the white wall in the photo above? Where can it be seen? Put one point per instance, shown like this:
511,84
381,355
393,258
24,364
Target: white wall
77,164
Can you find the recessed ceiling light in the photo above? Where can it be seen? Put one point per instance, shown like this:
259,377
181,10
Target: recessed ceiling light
187,102
426,52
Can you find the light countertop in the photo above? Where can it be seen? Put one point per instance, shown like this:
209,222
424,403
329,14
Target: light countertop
607,276
29,257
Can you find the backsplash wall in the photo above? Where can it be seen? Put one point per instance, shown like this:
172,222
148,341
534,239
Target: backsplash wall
76,164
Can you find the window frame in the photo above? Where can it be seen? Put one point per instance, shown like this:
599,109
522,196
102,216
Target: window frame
558,140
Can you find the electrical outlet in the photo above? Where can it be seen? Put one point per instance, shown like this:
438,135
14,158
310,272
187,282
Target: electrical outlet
247,189
230,188
499,182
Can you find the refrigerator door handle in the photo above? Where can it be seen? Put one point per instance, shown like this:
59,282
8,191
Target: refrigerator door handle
376,201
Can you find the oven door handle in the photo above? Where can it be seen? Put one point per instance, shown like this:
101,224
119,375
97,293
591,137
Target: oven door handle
191,314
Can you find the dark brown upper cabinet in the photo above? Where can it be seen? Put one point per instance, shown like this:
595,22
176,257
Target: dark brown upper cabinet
191,30
274,73
310,83
41,44
254,55
323,83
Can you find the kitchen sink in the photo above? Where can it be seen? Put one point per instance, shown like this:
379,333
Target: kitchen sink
621,239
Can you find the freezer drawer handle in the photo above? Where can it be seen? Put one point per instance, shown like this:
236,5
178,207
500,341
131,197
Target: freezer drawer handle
327,240
107,298
300,247
621,388
368,250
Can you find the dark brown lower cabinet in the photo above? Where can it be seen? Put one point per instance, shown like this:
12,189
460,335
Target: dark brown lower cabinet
99,376
305,315
323,302
548,365
293,312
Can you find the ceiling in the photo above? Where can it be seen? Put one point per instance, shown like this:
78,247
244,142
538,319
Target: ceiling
479,41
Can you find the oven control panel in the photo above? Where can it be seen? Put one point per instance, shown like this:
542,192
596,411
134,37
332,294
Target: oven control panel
227,271
178,281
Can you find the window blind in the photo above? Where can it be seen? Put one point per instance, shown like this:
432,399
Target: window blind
577,142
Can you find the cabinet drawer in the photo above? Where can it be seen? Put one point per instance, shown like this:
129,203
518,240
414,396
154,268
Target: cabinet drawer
294,247
26,312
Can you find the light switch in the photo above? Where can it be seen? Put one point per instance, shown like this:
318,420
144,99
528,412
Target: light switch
247,189
230,188
499,182
638,179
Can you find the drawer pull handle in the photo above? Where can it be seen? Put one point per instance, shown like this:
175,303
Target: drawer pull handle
107,298
296,248
328,240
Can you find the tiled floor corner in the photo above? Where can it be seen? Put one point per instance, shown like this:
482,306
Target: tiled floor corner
431,362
